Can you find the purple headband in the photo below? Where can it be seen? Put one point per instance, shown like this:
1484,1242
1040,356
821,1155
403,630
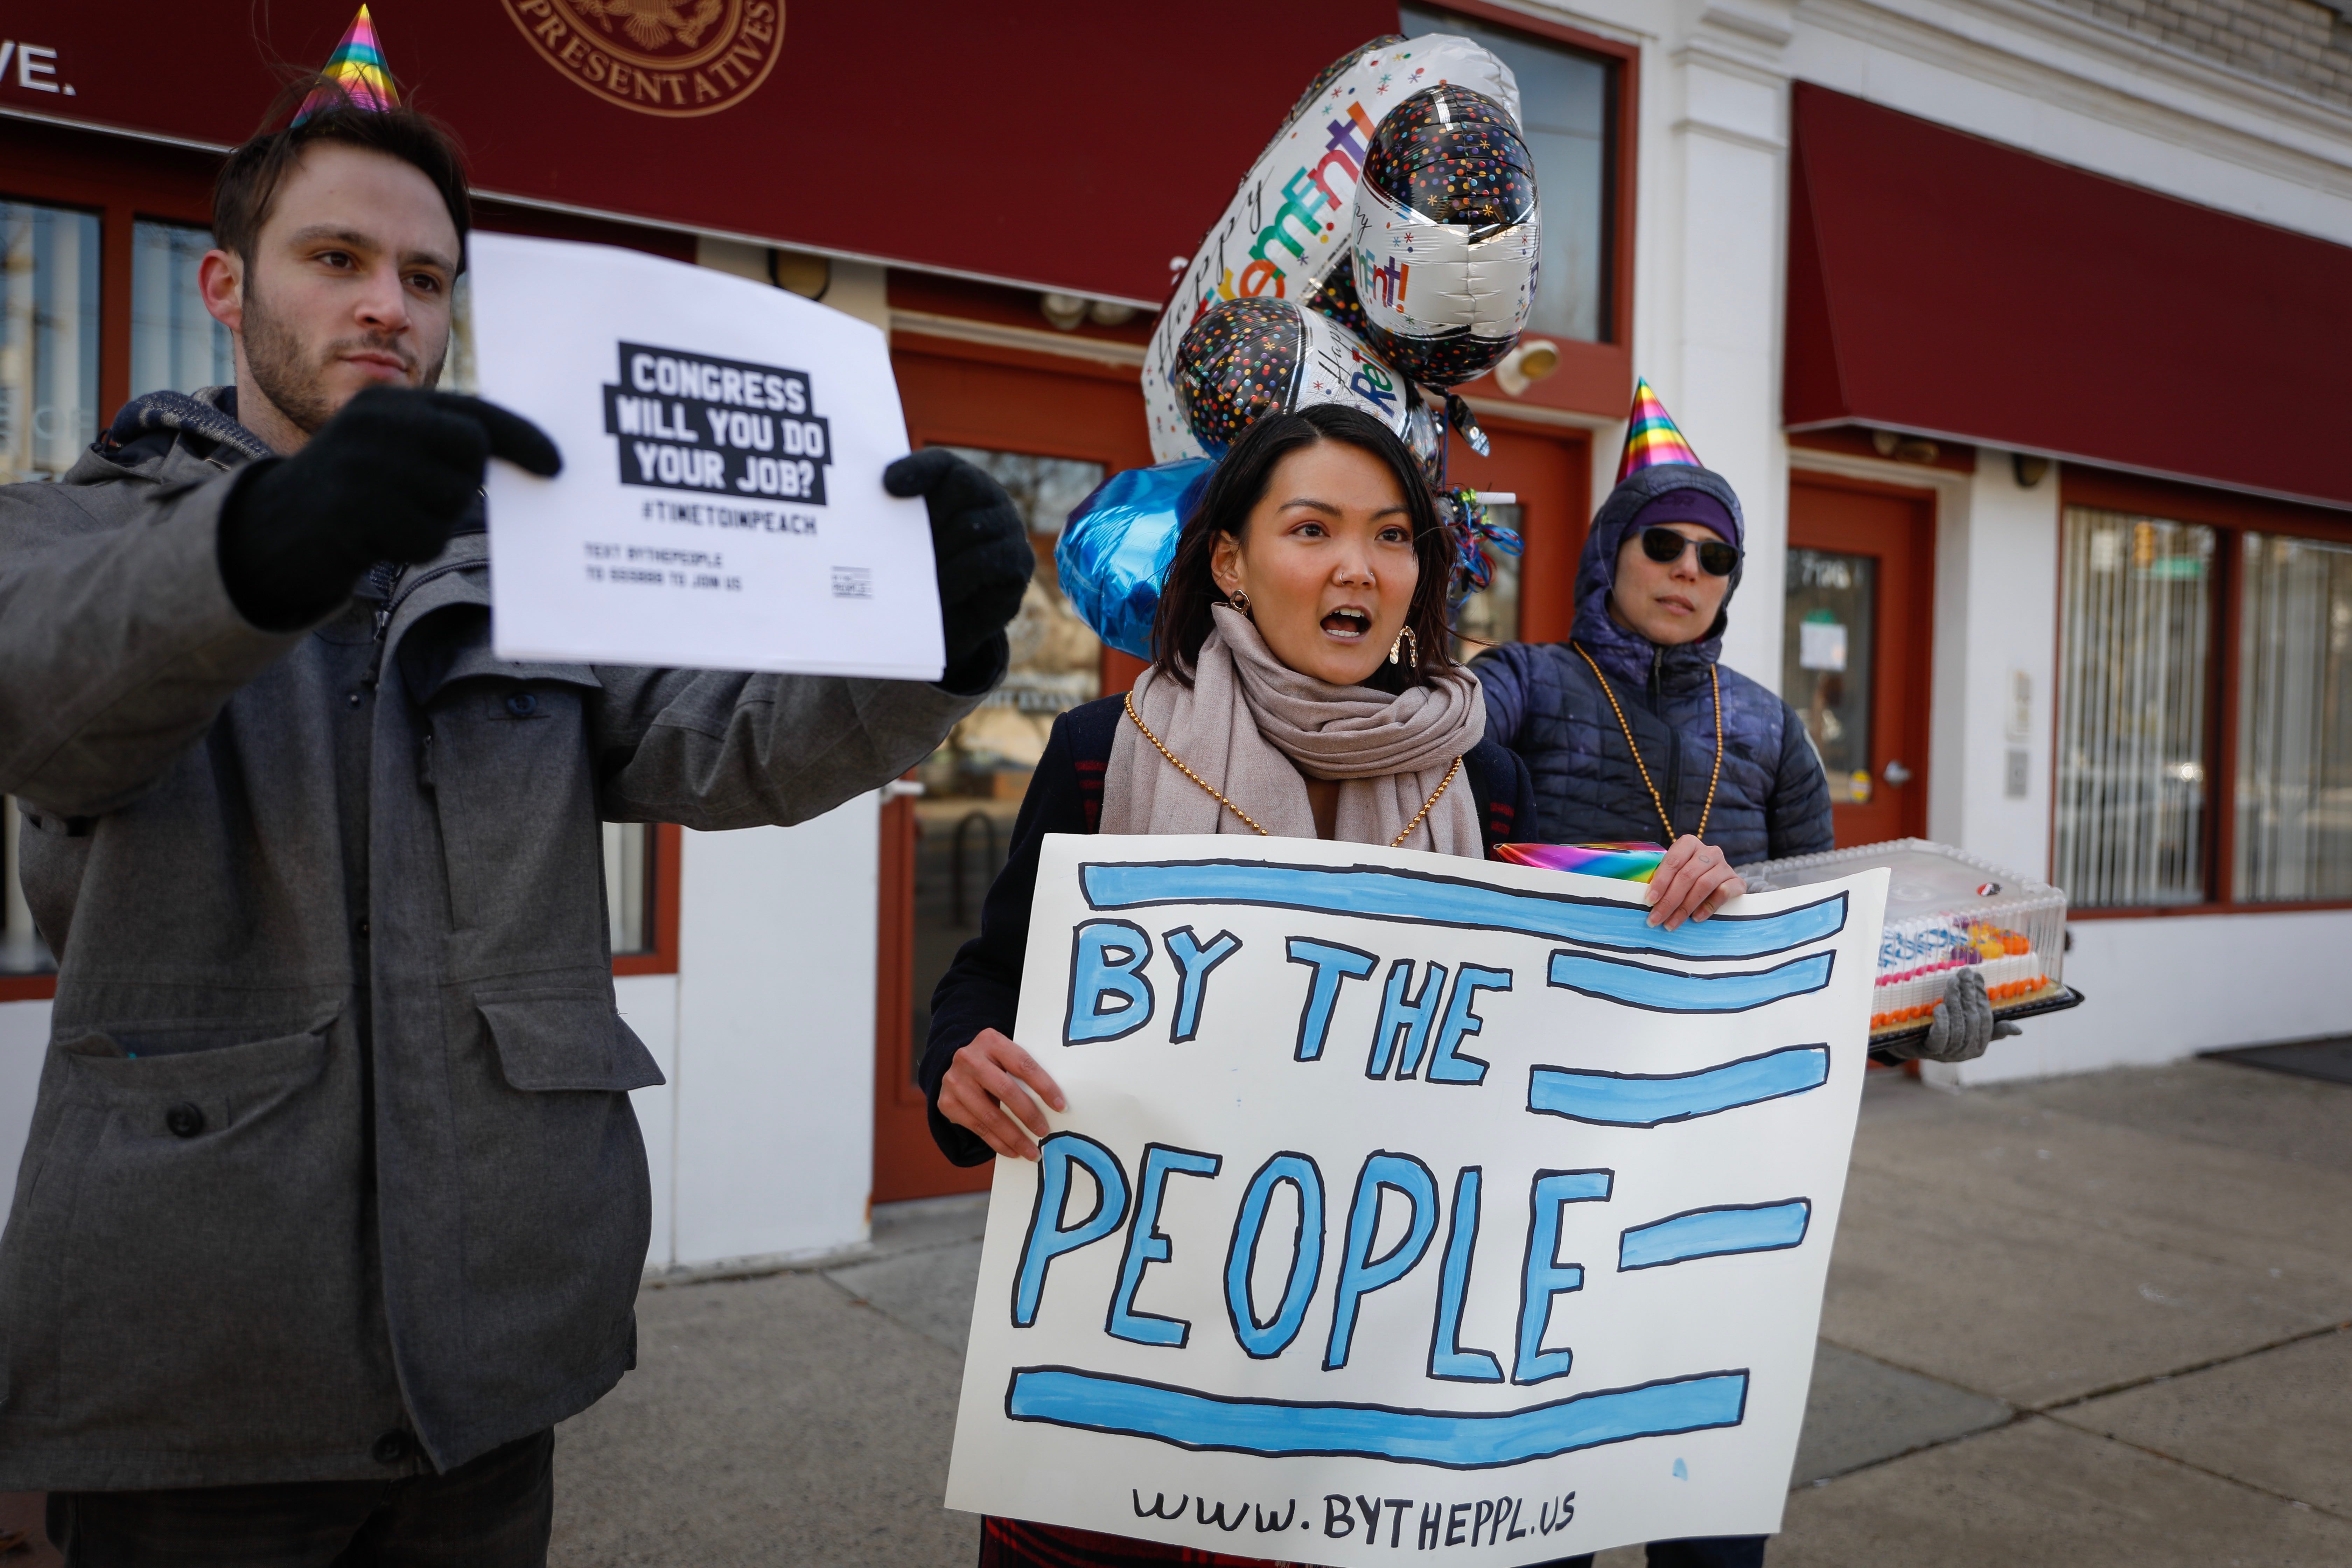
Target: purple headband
1688,506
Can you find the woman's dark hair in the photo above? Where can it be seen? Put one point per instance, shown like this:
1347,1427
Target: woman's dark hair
1183,622
248,182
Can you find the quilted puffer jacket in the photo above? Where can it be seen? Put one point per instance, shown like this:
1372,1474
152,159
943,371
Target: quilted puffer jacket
1544,701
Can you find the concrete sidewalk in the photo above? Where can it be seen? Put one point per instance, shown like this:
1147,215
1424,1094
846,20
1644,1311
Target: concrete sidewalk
2090,1320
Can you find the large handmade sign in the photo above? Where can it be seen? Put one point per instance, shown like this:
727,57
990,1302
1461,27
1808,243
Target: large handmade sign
1411,1204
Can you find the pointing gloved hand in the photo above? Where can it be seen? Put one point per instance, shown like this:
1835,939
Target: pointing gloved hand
387,479
981,549
1963,1024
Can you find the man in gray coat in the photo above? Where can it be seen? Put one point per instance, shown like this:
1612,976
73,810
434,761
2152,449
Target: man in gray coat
334,1202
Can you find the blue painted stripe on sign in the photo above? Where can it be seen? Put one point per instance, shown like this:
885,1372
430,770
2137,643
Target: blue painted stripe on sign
1714,1233
1680,991
1378,893
1643,1099
1095,1401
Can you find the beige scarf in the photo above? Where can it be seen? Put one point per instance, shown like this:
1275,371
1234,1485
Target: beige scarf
1250,725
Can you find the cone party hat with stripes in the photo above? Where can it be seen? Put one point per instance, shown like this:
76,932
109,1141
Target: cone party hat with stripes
357,68
1651,437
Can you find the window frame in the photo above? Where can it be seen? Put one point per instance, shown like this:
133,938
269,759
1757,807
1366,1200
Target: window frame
668,860
57,167
1592,378
2231,515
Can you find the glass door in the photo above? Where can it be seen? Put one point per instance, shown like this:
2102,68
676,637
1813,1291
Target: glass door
1857,649
1049,435
972,785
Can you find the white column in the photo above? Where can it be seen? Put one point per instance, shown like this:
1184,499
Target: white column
775,1080
1996,636
1718,178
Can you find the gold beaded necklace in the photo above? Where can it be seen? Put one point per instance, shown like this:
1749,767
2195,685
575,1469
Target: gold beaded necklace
1396,843
1655,799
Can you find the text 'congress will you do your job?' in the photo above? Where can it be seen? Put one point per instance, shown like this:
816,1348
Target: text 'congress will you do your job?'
1408,1206
721,504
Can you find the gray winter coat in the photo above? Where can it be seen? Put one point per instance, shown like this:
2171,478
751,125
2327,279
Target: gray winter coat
334,1172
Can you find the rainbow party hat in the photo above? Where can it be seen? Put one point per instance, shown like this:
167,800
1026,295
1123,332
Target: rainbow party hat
1651,437
356,67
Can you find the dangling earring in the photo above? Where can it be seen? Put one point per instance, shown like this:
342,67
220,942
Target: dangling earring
1411,643
1238,600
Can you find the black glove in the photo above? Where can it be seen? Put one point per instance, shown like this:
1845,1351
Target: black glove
386,479
981,549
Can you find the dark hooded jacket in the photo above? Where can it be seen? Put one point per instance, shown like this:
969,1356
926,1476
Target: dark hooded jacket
1544,701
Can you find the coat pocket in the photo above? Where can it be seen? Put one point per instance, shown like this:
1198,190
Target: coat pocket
508,762
566,1039
194,1219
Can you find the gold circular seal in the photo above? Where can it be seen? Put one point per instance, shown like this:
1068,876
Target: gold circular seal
671,57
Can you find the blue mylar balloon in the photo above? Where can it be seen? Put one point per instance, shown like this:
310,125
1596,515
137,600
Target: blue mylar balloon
1116,548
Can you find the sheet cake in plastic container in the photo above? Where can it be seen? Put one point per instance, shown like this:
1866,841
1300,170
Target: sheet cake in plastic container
1946,911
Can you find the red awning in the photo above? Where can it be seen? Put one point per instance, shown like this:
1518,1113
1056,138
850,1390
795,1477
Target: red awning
1947,285
1048,145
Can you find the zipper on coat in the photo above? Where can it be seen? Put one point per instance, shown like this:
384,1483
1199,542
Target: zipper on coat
401,584
382,579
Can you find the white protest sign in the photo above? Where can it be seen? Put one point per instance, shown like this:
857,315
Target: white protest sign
1288,224
1411,1203
721,504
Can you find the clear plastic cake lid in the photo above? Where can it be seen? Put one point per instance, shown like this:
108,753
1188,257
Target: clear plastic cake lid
1926,879
1947,910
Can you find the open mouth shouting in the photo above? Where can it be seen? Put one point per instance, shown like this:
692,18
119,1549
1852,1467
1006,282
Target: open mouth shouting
1349,622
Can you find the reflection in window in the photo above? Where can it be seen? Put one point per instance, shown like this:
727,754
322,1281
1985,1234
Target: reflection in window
22,951
2294,720
629,885
1564,112
48,339
2134,638
1491,617
972,784
1829,633
175,345
457,367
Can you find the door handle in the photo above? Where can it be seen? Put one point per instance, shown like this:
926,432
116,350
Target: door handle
1896,774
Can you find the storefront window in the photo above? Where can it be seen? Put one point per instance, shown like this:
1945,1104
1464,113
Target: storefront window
175,345
2294,836
1491,617
972,785
48,339
1564,109
1827,638
629,885
2134,646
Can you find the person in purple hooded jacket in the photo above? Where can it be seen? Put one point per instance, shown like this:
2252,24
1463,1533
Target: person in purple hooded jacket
1632,728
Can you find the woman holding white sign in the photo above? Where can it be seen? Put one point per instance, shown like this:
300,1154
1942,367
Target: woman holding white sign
1303,688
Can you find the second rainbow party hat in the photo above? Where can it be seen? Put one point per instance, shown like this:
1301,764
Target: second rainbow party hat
1651,437
356,67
